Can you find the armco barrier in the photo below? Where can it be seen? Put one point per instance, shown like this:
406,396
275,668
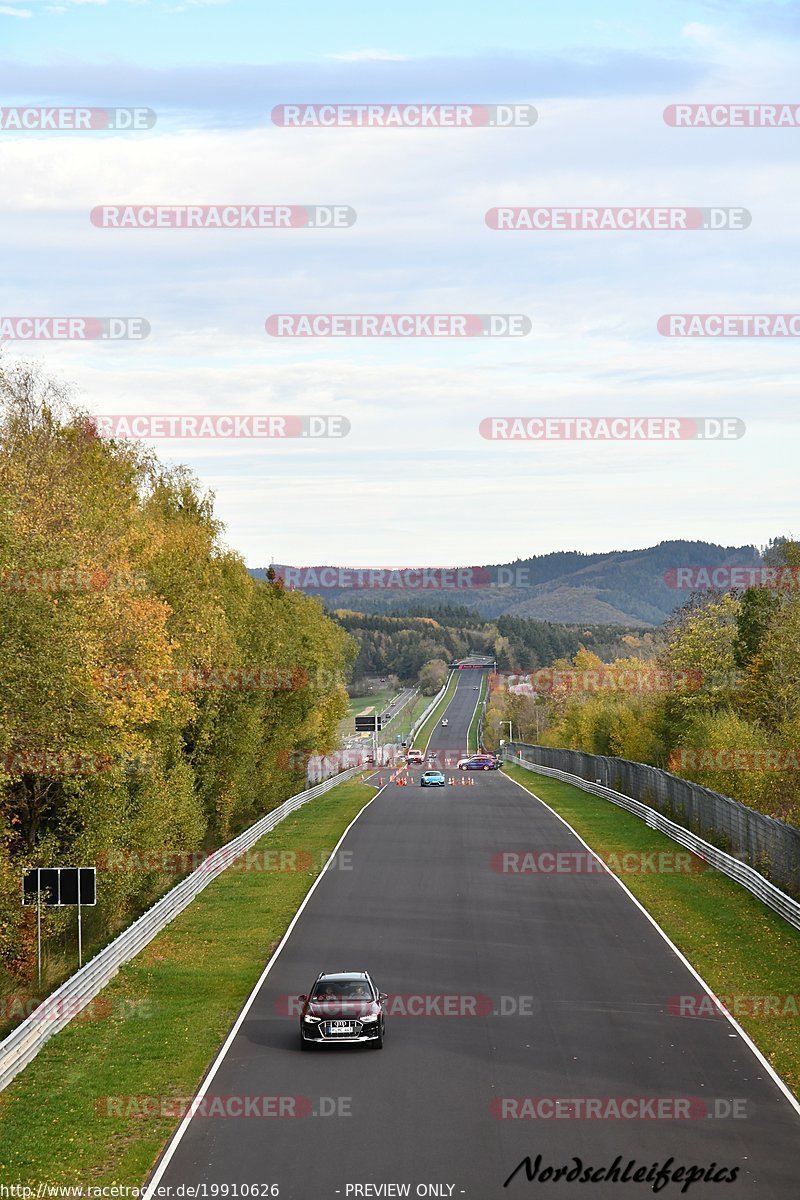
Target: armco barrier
743,874
766,844
25,1042
415,728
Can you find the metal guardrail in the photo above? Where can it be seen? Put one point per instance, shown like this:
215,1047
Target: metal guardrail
741,872
24,1043
415,728
412,692
766,843
482,718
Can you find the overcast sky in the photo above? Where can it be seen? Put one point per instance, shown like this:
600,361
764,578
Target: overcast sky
414,482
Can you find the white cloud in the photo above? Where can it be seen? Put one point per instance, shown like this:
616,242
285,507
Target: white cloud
189,4
369,56
420,245
696,32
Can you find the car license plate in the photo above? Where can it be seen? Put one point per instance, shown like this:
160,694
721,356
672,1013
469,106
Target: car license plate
341,1027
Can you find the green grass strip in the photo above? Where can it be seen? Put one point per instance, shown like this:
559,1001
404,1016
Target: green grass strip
378,700
472,733
189,985
406,717
738,945
424,734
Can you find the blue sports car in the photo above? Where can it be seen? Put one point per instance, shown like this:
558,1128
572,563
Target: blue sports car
432,779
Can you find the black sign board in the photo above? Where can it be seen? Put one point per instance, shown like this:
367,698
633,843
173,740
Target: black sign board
370,724
60,886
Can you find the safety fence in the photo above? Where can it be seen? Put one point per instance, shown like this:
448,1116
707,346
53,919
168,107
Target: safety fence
25,1042
531,757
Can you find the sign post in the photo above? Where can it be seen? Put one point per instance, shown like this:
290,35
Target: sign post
38,936
369,724
64,887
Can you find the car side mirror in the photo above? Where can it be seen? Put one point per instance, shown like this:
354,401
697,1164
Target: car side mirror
383,997
303,998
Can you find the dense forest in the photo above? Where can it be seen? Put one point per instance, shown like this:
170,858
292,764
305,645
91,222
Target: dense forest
718,702
149,686
402,645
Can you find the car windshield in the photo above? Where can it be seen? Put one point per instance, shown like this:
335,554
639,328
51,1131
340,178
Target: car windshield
342,989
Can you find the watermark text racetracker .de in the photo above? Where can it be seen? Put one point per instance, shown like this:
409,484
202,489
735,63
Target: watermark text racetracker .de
403,116
221,425
397,325
729,325
625,219
728,758
727,576
283,861
645,679
70,579
71,119
719,1007
585,862
230,1107
618,1108
17,1007
412,579
729,116
450,1005
74,329
252,678
611,429
223,216
56,763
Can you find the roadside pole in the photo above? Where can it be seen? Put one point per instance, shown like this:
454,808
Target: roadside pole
39,933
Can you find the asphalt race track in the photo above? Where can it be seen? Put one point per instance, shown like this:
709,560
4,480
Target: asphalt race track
504,986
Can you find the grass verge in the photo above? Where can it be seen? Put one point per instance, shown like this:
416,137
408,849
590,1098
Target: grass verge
407,716
424,732
740,947
472,732
377,701
185,990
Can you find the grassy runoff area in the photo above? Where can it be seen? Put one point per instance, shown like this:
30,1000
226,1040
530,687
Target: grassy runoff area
424,733
187,986
739,946
377,701
472,732
406,717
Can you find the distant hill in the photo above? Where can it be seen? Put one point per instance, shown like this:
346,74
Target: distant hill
622,587
401,645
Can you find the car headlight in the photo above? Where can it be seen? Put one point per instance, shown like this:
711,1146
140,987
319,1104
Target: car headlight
366,1020
309,1018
